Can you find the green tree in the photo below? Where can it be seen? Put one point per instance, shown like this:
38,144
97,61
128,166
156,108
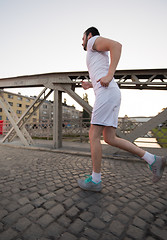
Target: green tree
85,114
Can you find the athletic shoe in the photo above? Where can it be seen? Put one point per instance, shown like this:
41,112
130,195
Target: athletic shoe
89,185
157,168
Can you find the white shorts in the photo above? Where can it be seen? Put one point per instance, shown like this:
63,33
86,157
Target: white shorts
106,107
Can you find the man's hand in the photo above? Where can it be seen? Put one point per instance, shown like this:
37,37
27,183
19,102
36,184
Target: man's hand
104,81
86,85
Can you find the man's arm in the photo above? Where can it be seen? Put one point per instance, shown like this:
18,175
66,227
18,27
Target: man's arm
104,44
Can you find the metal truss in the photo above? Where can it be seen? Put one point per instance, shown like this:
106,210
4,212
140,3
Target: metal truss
21,132
18,124
152,79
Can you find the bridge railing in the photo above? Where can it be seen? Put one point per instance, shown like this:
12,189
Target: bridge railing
78,130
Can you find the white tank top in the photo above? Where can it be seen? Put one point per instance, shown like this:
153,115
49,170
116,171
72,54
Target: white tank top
97,64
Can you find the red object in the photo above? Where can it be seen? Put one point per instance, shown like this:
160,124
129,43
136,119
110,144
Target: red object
1,127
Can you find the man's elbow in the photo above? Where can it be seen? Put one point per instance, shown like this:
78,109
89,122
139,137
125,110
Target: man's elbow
119,46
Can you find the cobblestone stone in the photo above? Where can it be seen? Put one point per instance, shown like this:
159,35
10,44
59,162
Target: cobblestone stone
38,202
96,223
160,222
3,213
57,211
64,221
40,199
33,232
123,218
77,226
54,231
33,196
86,216
135,233
106,216
68,203
116,228
12,207
23,200
45,220
36,213
68,236
152,209
138,222
160,233
112,209
150,238
8,234
128,211
22,224
25,209
134,205
72,212
11,218
91,234
144,214
158,205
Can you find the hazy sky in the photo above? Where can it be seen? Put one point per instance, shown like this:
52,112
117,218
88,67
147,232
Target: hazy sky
41,36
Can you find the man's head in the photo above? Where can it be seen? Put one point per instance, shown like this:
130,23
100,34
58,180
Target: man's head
90,32
93,31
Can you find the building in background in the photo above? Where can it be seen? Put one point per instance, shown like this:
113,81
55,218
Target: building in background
19,104
68,112
46,111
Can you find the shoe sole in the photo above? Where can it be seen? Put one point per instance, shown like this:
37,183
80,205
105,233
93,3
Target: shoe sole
88,189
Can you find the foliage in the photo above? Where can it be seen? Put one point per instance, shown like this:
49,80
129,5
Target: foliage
85,114
161,135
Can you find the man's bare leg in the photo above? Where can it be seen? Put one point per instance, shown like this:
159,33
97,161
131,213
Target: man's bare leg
95,133
156,163
93,183
109,134
157,167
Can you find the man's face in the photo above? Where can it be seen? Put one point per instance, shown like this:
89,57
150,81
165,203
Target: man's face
84,42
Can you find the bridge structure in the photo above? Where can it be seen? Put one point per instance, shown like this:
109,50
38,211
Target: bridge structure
152,79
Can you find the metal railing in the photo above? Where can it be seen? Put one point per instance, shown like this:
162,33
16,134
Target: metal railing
78,130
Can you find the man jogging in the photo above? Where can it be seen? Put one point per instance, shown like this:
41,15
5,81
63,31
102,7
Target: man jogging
104,119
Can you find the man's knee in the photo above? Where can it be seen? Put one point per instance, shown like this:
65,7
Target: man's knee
110,140
107,140
94,135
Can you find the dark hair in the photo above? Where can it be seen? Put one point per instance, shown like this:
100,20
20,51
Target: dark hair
93,31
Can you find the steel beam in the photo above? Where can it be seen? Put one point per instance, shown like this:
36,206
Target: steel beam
57,119
13,118
146,127
127,79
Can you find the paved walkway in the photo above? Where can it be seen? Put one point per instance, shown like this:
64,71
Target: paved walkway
40,199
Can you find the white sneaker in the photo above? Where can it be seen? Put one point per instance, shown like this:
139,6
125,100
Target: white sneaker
89,185
157,168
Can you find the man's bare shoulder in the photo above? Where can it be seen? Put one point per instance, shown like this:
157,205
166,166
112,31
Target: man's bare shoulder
104,44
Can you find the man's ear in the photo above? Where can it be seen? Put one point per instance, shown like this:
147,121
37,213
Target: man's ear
89,36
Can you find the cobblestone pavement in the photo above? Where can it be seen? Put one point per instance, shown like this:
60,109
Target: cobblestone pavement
40,199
